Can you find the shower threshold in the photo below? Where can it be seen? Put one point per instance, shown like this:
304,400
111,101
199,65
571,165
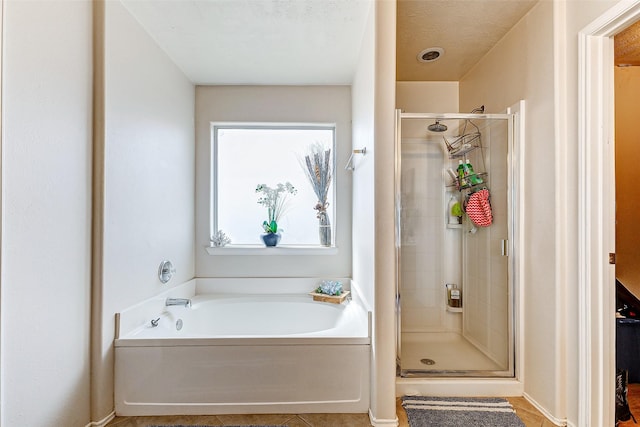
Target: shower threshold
433,373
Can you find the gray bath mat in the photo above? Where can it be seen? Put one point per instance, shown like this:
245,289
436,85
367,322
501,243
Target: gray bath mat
460,412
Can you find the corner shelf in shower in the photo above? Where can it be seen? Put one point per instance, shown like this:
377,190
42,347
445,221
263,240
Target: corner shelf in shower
454,225
454,309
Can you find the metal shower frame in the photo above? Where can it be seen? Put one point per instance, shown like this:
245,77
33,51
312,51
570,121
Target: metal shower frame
511,371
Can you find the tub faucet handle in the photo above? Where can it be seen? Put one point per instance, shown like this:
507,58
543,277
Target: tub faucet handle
166,271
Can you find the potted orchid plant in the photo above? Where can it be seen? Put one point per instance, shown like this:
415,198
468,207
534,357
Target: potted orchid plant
276,201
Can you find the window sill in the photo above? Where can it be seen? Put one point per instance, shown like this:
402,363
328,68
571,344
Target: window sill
278,250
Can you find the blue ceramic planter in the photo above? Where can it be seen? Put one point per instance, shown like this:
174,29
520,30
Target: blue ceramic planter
270,239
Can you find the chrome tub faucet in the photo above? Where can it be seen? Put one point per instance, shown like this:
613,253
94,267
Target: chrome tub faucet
186,302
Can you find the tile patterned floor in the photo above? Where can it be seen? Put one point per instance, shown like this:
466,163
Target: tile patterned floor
290,420
527,412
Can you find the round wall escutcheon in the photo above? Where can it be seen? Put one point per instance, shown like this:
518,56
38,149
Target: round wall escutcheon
165,271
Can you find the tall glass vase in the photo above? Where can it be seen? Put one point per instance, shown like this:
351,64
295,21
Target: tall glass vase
324,228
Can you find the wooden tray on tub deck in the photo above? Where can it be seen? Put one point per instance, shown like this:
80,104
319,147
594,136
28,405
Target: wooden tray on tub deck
335,299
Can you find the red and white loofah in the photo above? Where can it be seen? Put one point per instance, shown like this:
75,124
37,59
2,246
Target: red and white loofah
479,209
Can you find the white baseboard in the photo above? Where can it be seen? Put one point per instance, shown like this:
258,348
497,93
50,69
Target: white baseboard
382,422
103,422
554,420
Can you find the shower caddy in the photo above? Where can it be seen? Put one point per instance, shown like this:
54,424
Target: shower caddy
466,143
460,148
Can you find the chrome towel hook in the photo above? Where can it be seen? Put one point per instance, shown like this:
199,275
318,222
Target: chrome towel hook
350,166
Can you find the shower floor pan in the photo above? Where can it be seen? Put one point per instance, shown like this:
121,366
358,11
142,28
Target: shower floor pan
444,354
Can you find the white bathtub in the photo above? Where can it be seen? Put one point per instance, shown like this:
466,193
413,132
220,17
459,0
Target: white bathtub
243,352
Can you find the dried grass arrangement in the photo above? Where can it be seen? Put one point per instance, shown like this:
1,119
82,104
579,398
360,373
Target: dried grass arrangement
319,170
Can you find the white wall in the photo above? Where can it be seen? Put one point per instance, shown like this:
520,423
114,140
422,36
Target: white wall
363,111
284,104
427,97
46,213
538,61
149,178
384,78
373,208
521,66
363,175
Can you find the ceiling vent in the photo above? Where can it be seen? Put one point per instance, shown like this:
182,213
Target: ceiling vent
430,54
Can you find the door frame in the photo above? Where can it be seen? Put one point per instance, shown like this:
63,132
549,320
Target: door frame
596,214
2,39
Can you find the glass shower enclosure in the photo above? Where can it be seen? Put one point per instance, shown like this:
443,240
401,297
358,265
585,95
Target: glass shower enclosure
454,245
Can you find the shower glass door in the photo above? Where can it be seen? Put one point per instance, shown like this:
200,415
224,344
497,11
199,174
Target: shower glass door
438,336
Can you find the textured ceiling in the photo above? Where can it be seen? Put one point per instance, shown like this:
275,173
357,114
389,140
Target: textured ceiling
258,41
314,42
465,29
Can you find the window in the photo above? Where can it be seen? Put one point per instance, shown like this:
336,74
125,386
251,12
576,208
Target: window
247,155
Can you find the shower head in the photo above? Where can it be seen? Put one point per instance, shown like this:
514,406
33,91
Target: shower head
437,127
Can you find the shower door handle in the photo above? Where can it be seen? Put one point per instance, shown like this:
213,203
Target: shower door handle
504,245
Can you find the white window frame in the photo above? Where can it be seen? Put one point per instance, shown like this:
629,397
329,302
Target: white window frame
257,249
